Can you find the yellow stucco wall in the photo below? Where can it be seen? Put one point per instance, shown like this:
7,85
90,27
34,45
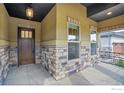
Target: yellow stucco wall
112,21
54,25
48,28
13,28
76,11
53,29
92,22
4,19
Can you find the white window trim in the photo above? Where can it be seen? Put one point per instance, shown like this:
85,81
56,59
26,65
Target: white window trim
79,41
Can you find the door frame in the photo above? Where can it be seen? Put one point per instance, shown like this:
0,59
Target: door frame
33,35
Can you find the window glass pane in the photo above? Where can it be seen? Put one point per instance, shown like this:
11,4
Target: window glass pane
93,48
22,34
26,34
93,36
73,50
30,34
73,32
93,42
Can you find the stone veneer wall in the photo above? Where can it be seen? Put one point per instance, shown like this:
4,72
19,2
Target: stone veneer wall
55,60
13,56
104,52
4,63
107,49
37,54
85,55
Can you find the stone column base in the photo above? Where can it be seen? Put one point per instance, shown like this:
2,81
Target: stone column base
4,64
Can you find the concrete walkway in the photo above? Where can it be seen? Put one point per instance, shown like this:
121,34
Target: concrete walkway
35,74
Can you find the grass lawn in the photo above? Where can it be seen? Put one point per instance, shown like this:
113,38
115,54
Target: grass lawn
120,63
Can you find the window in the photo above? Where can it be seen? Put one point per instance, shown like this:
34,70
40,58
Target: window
93,42
73,33
73,50
93,36
73,41
26,34
93,48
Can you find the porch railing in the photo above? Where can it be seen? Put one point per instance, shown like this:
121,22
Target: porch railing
110,57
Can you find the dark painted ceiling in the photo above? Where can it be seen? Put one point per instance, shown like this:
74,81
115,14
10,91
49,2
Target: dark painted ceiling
95,11
98,11
18,10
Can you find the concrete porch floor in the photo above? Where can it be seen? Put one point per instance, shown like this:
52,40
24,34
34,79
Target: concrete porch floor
35,74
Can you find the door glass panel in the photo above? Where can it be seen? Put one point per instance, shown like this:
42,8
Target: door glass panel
30,34
26,34
22,34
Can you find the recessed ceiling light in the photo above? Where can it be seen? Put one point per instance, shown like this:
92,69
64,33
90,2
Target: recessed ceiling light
109,13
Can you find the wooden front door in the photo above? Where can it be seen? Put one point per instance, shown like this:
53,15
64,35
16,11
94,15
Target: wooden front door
26,46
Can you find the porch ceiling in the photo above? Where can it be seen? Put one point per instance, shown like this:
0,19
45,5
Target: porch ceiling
18,10
95,11
98,11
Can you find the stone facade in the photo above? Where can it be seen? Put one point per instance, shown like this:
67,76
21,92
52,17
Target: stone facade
67,67
48,60
86,57
85,52
13,60
55,60
4,63
37,54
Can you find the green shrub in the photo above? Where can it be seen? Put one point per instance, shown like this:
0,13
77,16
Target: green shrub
120,63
